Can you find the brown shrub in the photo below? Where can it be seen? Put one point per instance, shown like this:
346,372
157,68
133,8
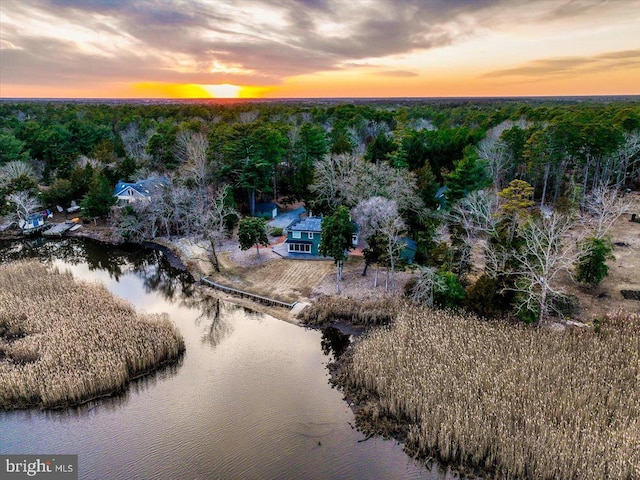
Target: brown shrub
77,341
516,401
329,309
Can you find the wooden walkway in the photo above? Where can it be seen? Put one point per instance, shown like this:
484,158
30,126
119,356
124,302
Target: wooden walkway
58,229
243,294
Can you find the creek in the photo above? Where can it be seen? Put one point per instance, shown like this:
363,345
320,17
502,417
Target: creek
249,399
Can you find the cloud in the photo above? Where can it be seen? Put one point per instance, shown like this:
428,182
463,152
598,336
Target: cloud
397,73
256,42
564,66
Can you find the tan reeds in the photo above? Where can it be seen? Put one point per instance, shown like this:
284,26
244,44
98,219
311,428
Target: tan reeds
77,341
329,309
515,401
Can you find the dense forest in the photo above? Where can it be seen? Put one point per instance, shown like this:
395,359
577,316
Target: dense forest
402,168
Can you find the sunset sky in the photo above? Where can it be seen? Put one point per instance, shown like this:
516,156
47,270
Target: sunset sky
318,48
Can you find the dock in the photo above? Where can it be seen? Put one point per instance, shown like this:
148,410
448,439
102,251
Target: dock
58,229
249,295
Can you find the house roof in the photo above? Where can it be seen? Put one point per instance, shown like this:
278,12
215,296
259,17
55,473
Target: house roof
313,224
309,224
143,187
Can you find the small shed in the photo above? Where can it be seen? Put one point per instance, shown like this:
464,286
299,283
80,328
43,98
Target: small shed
408,253
266,210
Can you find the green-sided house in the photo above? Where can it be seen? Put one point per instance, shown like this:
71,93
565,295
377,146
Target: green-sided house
303,236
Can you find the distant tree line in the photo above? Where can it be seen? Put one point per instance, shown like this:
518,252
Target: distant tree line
401,168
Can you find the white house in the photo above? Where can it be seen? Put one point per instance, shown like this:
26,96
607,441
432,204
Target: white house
141,190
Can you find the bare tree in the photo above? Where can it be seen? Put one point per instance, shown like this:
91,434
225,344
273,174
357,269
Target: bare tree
248,117
362,134
24,203
386,181
208,208
191,150
214,221
604,206
178,210
348,180
379,216
154,216
83,162
334,179
427,285
476,216
544,256
495,153
293,134
629,159
202,218
135,142
13,170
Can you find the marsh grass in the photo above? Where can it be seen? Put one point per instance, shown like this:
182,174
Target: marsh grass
514,401
63,342
329,308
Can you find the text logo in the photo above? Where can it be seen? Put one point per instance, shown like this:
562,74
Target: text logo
50,467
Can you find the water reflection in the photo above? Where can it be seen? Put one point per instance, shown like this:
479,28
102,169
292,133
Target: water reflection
215,326
334,342
151,266
116,402
158,276
258,405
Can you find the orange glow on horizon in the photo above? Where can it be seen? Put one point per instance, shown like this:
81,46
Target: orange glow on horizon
224,90
192,90
537,49
444,83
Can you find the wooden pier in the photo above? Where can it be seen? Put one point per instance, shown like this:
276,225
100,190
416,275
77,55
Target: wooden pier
58,229
243,294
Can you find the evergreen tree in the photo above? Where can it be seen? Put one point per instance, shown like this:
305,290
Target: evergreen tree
12,149
252,231
99,200
469,174
381,148
336,241
591,266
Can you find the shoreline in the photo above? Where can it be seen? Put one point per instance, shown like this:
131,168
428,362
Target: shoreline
69,357
119,392
177,258
374,421
371,416
362,406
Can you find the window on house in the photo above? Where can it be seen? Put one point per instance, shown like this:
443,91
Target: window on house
354,239
299,247
310,235
295,234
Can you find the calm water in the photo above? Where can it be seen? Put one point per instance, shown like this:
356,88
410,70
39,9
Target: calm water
250,399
